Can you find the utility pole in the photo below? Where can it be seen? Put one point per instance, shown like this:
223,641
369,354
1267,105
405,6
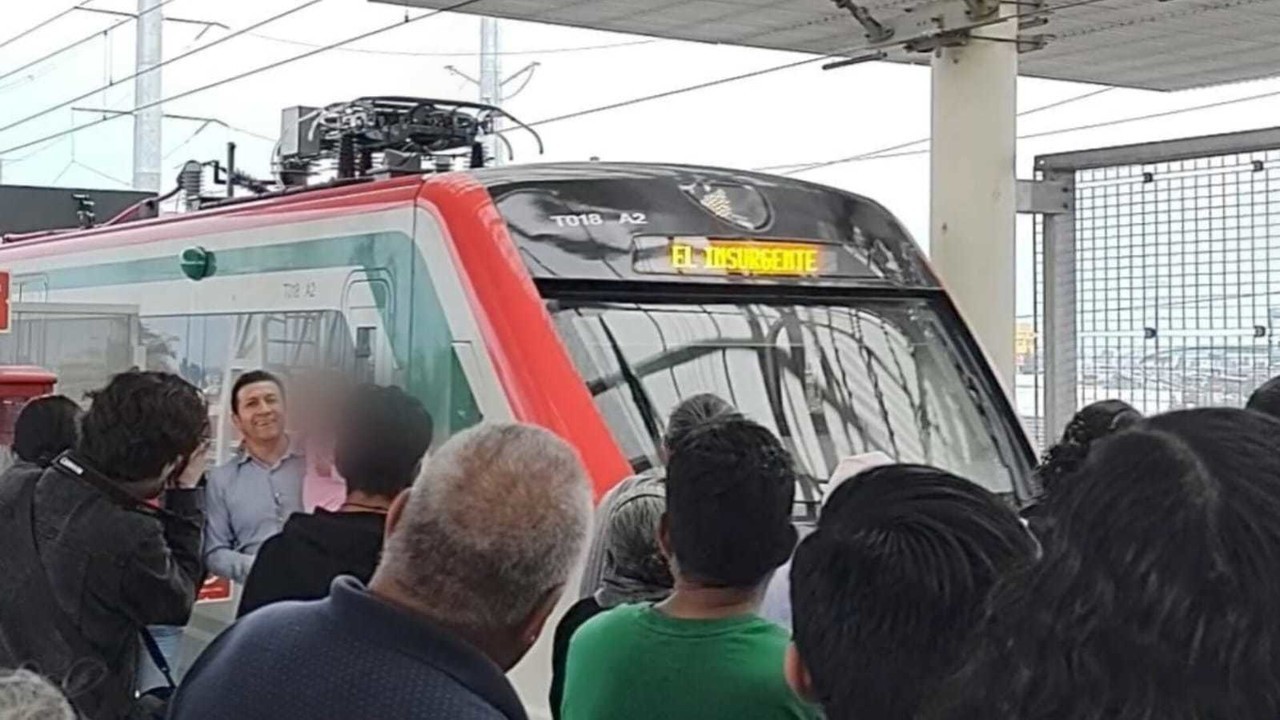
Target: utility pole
492,86
147,91
972,202
491,81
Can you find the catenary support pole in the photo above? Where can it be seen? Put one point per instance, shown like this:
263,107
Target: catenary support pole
973,185
491,79
147,138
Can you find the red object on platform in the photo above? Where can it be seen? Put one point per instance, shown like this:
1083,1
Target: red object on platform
215,589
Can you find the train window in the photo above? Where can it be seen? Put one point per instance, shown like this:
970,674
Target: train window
829,380
211,351
83,344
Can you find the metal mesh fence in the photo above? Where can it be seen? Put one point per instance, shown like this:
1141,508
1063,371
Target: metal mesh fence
1177,276
1030,379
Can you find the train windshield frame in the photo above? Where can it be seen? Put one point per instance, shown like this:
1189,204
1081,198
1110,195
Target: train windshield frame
832,376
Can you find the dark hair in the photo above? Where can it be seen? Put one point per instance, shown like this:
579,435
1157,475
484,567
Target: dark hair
1266,399
251,378
383,434
887,590
692,412
46,428
730,487
1092,423
1156,597
140,422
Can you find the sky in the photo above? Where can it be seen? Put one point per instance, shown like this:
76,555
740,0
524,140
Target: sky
795,116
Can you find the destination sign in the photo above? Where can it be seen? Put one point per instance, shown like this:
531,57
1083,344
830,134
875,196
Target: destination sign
710,256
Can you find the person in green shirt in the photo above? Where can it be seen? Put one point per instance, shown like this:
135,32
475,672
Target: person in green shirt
703,653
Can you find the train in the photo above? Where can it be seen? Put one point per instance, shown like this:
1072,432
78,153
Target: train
588,298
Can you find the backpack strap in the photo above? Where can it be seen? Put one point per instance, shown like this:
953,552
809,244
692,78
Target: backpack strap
157,657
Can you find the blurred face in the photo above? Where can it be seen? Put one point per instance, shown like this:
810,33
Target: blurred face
260,416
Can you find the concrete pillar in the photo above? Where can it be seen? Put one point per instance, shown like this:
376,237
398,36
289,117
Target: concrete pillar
491,79
147,90
973,185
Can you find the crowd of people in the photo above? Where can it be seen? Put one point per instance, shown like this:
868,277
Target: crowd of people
388,575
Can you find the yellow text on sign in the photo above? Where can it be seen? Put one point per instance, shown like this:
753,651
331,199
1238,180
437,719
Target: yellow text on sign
748,259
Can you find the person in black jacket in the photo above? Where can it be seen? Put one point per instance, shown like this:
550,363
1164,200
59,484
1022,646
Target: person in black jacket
85,563
383,435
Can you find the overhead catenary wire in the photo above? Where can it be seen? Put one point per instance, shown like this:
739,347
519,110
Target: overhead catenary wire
804,166
43,23
99,173
249,73
633,101
189,118
677,91
416,53
182,56
82,41
1039,11
875,155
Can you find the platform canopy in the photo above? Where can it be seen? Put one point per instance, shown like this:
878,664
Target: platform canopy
1149,44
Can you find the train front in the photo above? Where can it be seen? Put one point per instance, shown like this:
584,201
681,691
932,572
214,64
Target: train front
808,308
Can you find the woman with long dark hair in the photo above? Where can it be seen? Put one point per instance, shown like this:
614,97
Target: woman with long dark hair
1156,596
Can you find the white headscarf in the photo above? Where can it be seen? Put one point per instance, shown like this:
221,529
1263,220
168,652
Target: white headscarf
776,607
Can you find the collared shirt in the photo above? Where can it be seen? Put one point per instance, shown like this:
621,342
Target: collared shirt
248,503
322,488
351,655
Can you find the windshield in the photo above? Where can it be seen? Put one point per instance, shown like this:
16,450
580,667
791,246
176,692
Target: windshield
831,381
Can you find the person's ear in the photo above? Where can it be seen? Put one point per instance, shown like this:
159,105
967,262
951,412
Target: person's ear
531,629
664,537
235,422
396,511
797,675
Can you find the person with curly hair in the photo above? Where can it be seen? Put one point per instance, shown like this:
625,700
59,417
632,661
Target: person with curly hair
88,560
1156,596
1089,425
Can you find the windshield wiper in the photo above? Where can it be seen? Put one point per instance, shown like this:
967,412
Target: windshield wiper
641,399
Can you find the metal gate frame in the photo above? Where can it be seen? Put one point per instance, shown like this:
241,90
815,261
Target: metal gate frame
1057,173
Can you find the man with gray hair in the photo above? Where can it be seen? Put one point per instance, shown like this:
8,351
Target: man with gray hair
25,695
477,555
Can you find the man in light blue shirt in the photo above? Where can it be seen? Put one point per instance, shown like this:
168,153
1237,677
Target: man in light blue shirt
250,498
